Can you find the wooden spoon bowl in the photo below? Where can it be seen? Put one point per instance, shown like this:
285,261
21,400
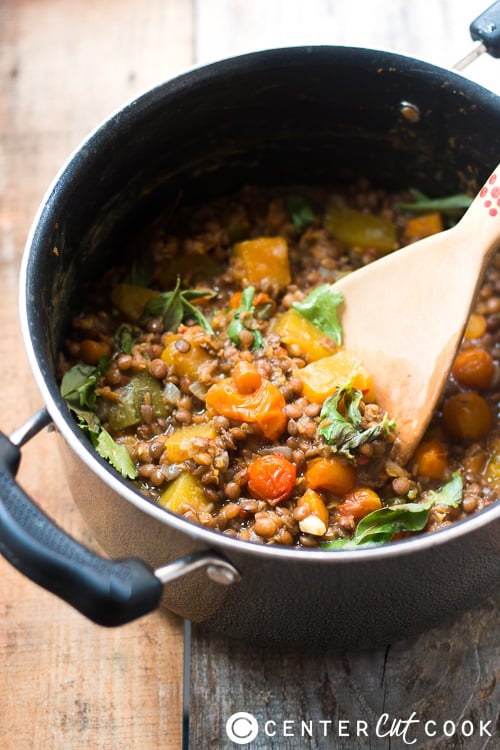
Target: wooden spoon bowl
404,315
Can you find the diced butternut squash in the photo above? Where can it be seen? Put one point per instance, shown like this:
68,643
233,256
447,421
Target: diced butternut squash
264,258
186,353
423,226
316,520
295,330
185,490
130,300
357,229
320,379
178,445
334,474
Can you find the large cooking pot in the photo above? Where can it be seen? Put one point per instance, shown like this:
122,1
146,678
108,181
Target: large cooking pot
303,114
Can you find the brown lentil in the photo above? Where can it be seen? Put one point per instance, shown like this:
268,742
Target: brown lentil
158,369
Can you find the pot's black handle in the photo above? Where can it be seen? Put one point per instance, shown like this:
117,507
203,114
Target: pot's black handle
486,29
106,591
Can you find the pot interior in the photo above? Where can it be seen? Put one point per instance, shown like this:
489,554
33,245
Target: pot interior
300,115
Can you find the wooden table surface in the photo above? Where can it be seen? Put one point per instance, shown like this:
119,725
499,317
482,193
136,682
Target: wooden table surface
64,682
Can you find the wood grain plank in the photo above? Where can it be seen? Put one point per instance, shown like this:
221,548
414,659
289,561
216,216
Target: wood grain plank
65,683
436,32
447,678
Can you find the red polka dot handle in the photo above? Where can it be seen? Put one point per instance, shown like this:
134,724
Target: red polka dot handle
481,222
490,194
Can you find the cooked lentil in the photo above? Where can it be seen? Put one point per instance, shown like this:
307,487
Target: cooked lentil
209,385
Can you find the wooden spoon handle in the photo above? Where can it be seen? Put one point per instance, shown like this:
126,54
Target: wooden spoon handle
481,222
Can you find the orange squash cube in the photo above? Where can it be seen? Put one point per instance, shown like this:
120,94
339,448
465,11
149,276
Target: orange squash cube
264,258
294,329
321,379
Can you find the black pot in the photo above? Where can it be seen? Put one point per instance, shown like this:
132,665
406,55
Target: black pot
310,114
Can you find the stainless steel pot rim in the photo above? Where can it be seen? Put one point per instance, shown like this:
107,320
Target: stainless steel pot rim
70,432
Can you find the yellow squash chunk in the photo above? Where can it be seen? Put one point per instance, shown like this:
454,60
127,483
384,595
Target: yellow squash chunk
178,445
423,226
130,300
320,379
186,489
264,258
357,229
492,471
295,330
185,363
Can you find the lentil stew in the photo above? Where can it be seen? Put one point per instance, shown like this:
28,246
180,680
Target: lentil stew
210,371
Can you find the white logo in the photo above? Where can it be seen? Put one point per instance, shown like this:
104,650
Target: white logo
242,728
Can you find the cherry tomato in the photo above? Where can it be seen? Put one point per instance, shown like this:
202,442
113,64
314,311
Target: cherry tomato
271,478
474,368
467,416
359,503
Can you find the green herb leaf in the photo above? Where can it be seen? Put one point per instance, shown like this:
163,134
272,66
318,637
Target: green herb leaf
450,494
320,308
380,526
421,203
243,319
117,455
124,338
78,384
78,388
342,415
141,270
300,210
175,306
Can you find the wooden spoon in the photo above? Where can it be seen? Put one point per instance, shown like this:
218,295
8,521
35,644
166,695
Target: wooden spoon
404,315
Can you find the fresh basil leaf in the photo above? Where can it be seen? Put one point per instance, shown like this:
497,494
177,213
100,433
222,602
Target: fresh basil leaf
385,522
300,210
189,294
117,455
173,307
421,203
342,416
141,271
243,320
348,544
320,308
78,388
450,494
124,338
380,526
88,421
197,315
78,384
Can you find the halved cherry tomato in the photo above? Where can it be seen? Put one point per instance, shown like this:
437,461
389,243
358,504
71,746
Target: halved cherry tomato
271,478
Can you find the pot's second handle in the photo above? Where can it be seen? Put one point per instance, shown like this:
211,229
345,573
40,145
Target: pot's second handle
108,592
486,29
